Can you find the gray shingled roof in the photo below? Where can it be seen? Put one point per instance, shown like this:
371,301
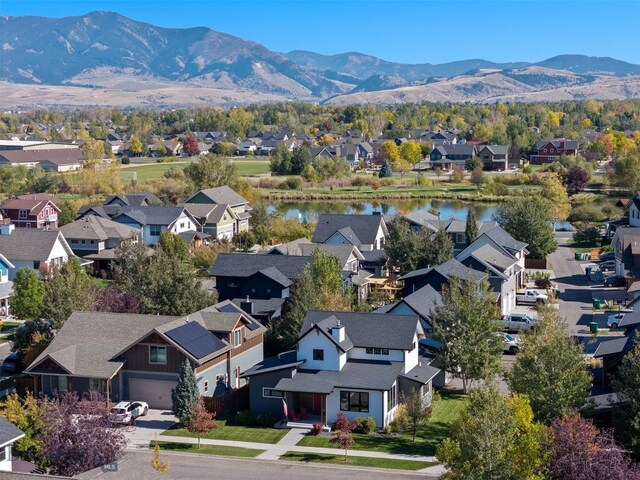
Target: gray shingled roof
487,253
212,213
341,252
272,364
423,301
9,433
616,346
504,239
364,227
30,244
420,217
137,199
630,320
244,264
421,373
88,341
360,374
450,268
368,329
223,317
152,215
261,306
93,227
224,195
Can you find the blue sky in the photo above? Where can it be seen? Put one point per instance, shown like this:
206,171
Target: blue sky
433,31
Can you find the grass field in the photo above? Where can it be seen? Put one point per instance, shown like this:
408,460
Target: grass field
447,411
153,171
209,449
228,432
357,461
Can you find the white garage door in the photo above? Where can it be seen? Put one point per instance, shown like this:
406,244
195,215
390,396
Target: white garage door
156,393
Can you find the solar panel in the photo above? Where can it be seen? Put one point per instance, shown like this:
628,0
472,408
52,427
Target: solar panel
195,339
253,326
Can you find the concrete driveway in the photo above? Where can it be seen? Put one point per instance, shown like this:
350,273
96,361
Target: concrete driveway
150,426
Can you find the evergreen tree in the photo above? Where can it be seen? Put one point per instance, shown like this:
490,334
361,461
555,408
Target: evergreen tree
27,298
471,230
385,170
185,394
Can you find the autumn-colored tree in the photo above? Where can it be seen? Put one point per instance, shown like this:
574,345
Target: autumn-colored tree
325,140
576,179
579,451
93,152
156,461
555,194
24,413
478,177
411,152
344,440
135,146
190,145
201,421
390,151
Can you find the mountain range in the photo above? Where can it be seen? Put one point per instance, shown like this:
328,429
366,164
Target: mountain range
103,58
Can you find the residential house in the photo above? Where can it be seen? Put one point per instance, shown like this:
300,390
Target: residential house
216,220
95,238
31,212
447,156
351,153
155,220
6,286
548,151
444,137
422,303
633,207
367,232
249,147
494,157
138,199
359,364
226,196
626,244
165,148
611,352
51,156
32,248
9,434
138,357
365,151
242,275
263,310
437,276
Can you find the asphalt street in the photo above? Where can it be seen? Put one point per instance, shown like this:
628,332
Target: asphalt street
137,466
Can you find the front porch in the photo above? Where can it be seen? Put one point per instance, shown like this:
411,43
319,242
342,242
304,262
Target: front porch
304,409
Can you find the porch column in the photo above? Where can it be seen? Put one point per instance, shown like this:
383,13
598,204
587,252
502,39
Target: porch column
107,391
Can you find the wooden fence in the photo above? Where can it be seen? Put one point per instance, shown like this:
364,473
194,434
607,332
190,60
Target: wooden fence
537,263
236,401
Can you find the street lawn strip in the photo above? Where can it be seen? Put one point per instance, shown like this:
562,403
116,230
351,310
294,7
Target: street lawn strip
8,325
338,459
447,410
223,450
234,433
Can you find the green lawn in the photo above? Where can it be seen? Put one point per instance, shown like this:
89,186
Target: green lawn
8,326
153,171
357,461
240,434
209,449
582,247
447,410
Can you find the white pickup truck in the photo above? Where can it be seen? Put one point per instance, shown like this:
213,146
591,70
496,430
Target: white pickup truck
531,297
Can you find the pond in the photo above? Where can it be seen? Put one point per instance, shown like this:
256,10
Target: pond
309,210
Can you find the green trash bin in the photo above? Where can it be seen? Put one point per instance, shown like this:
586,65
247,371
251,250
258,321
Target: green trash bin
597,303
593,327
578,256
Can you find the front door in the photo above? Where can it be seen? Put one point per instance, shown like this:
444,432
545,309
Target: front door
317,404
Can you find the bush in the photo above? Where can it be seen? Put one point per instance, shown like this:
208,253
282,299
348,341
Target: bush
294,183
263,420
496,188
316,429
125,160
423,181
586,233
342,424
543,283
527,169
585,213
242,419
365,425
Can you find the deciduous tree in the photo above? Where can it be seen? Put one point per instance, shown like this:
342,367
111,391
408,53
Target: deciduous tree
200,421
67,288
527,219
626,384
135,146
477,177
415,412
212,171
390,151
27,297
190,145
557,199
466,327
408,250
24,413
576,179
550,370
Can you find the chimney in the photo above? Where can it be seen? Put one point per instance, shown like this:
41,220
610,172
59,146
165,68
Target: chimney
338,332
247,306
6,228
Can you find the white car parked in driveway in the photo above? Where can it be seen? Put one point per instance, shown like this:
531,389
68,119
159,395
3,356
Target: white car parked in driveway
614,320
126,412
511,343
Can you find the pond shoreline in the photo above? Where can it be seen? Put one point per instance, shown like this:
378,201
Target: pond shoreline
375,196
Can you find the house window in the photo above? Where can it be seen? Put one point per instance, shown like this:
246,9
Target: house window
206,386
28,224
268,291
253,290
237,338
354,401
318,354
3,453
272,393
58,383
92,242
22,214
377,351
84,241
36,265
224,217
460,238
74,241
181,224
393,397
157,355
155,230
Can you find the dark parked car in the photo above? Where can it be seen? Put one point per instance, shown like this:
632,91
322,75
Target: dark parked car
11,364
608,265
606,256
615,281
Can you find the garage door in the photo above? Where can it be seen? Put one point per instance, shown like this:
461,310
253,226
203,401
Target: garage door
156,393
